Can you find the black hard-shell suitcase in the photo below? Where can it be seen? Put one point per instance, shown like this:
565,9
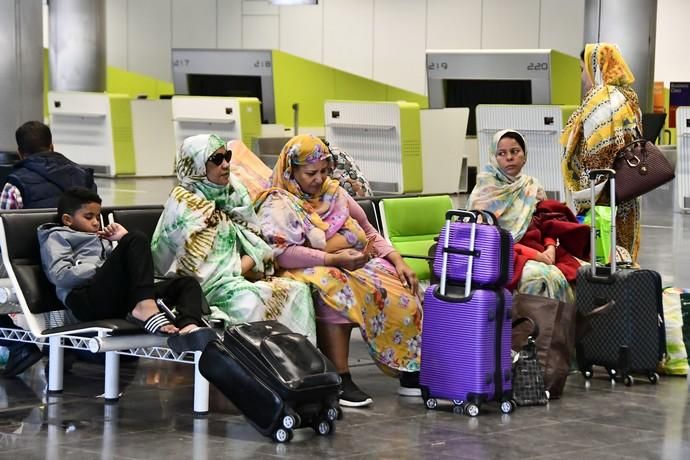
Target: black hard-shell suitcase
275,377
630,337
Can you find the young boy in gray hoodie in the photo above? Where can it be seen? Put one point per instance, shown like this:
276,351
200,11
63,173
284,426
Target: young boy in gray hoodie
96,281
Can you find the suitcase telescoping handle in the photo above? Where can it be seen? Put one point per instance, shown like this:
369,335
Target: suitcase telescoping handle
472,217
593,174
488,216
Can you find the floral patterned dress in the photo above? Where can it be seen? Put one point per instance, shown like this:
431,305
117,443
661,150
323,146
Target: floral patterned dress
387,313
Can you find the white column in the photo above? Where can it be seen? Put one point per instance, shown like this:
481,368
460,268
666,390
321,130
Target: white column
631,24
21,67
77,45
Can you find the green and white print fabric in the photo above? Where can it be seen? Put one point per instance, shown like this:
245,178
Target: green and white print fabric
203,232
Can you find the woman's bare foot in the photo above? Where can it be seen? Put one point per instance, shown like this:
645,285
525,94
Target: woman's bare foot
146,309
189,328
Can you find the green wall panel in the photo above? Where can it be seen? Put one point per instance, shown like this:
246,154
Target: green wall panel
310,84
123,142
297,80
135,84
566,79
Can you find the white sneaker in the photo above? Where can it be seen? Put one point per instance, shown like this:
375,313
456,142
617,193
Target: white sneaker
407,391
409,384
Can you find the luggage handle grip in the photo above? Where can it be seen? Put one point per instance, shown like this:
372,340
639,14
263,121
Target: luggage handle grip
473,215
582,320
461,213
535,326
593,173
611,174
489,216
470,259
464,252
600,309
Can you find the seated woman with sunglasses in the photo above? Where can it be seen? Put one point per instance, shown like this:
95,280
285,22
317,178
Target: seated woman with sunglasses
209,230
548,238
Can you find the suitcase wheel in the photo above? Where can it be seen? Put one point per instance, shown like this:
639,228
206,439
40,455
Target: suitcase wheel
612,373
458,410
431,403
324,427
333,413
653,377
472,409
628,380
508,406
587,373
290,422
282,435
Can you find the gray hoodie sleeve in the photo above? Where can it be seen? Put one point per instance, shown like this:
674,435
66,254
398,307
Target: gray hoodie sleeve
60,265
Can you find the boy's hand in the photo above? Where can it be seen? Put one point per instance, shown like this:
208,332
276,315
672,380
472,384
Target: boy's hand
113,232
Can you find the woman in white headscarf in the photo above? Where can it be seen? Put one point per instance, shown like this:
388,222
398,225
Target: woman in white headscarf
547,236
209,230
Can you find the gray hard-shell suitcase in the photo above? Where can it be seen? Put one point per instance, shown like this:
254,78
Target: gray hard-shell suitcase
630,337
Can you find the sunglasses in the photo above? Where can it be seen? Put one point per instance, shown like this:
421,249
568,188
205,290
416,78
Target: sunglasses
217,158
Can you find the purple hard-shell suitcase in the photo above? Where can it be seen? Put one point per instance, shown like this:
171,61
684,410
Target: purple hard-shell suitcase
466,339
493,257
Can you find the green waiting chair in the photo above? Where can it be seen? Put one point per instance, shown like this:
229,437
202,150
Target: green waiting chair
411,224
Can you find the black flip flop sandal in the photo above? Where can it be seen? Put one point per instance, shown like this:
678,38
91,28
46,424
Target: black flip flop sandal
195,340
153,325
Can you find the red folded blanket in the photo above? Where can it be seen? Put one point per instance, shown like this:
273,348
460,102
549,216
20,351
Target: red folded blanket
552,221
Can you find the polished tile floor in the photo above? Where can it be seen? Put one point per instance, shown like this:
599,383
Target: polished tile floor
154,418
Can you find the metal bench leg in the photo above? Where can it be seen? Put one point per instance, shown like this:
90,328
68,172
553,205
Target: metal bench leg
55,364
110,423
200,389
55,431
200,438
112,377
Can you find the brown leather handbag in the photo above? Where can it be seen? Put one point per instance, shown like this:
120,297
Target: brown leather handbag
560,326
640,168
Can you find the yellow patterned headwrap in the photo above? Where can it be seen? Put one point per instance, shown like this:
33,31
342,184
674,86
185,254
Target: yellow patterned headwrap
608,117
327,211
299,151
605,65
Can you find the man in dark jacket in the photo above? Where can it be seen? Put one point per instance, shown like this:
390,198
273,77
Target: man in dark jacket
41,175
36,181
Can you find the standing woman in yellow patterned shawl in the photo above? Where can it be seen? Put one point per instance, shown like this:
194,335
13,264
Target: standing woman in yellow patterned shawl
209,230
608,119
321,236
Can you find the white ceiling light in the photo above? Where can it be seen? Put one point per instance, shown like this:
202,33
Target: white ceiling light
295,2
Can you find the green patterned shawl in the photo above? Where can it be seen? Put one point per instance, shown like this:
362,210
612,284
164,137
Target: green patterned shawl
203,221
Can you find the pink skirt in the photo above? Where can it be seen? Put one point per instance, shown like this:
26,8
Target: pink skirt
326,314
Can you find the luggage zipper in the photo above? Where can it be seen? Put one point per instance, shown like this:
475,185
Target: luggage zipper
498,370
505,256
